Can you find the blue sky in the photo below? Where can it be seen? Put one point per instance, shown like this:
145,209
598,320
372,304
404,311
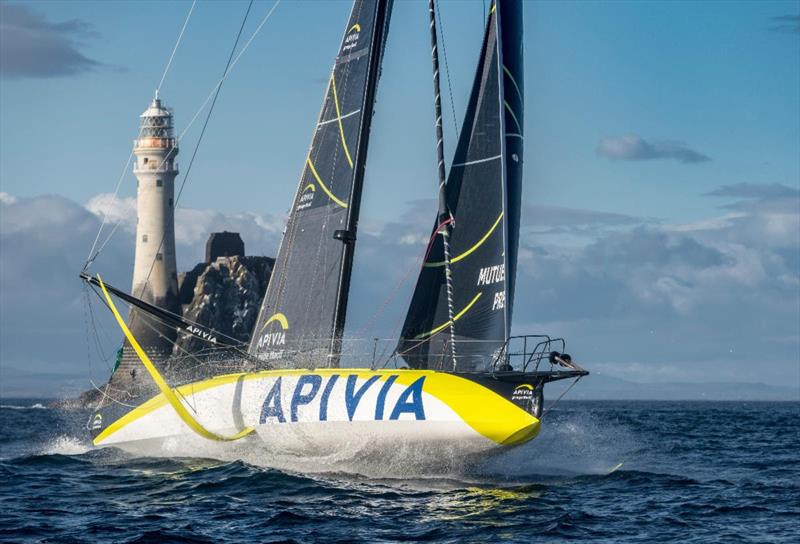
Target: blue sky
636,111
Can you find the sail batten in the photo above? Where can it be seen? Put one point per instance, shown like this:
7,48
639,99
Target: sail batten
309,285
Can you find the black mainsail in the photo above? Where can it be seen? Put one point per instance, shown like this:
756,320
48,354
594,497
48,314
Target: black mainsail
483,194
303,311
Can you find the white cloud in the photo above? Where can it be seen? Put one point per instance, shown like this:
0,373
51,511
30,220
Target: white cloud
114,209
718,299
261,233
6,198
632,147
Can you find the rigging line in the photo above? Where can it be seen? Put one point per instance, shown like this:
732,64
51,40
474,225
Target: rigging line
146,316
191,122
89,257
200,138
98,344
92,256
174,49
167,391
424,259
179,317
145,320
151,327
469,251
444,209
447,70
109,397
232,64
560,396
452,320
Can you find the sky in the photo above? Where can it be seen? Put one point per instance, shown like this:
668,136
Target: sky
661,226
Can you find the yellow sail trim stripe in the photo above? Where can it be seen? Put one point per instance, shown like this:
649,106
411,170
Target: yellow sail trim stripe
470,250
339,118
513,116
489,414
322,184
514,81
280,318
493,8
455,318
165,389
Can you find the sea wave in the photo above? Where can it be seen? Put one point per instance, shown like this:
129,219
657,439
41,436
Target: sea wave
712,472
36,406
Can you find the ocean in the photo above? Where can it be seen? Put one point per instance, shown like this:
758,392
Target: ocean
690,472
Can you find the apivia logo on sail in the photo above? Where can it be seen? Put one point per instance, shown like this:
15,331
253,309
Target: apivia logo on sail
273,333
351,40
306,197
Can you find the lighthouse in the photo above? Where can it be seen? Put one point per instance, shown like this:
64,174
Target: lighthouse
155,274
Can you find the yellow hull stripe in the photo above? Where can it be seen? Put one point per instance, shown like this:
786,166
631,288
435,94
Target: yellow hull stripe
322,184
467,253
339,117
166,391
455,318
486,412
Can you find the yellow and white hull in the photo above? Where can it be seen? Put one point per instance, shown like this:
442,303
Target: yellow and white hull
319,412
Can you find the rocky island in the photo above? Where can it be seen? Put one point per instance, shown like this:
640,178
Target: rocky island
222,293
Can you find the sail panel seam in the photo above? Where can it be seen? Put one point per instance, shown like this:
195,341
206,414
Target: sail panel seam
335,119
477,161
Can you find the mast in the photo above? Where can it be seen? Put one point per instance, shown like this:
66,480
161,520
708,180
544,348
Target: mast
348,236
445,218
303,313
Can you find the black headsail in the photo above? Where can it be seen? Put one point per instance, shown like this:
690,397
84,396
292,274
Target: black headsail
303,313
483,193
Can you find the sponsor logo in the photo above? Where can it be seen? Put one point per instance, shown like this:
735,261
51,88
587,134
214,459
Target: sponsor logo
351,40
306,197
202,334
492,274
348,397
522,393
273,333
499,300
97,422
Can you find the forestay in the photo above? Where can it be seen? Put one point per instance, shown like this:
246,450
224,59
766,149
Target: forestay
303,312
483,193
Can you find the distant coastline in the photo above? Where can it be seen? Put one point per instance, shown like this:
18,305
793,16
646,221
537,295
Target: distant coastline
20,384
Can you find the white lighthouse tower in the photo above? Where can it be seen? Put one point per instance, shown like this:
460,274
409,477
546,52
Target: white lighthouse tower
155,275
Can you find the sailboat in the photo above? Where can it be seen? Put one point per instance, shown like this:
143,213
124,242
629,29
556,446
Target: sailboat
457,377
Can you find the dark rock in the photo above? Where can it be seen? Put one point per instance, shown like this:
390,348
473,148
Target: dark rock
224,295
227,298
